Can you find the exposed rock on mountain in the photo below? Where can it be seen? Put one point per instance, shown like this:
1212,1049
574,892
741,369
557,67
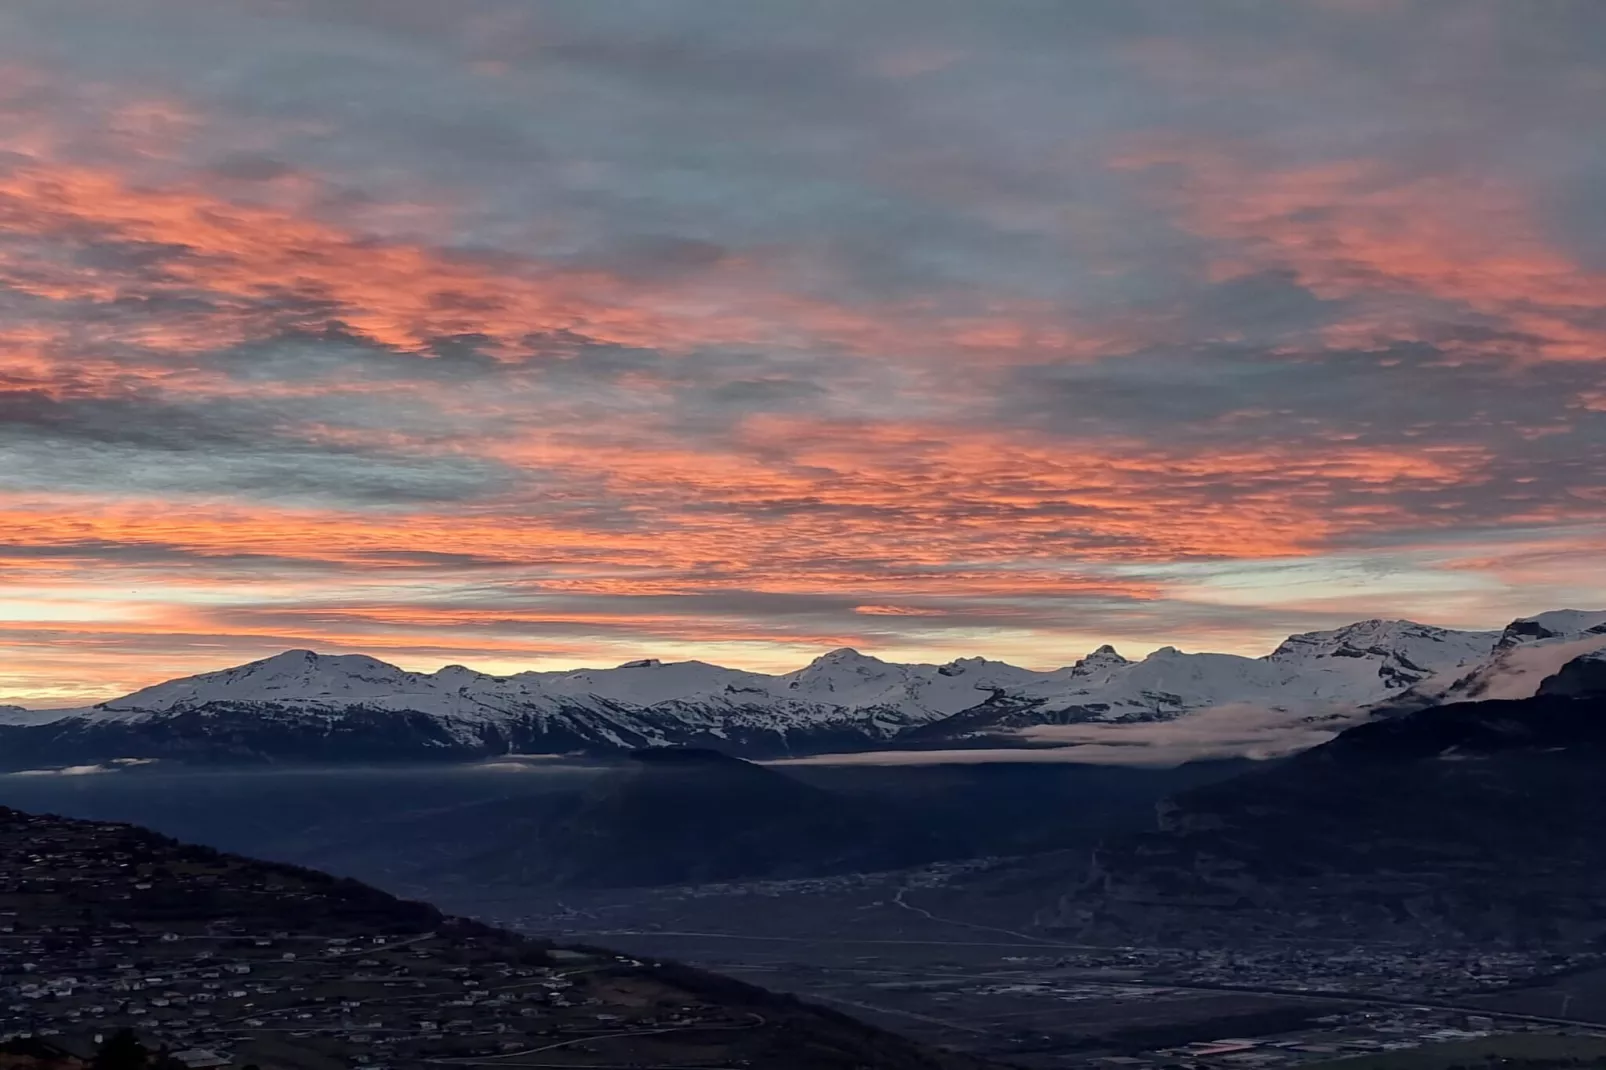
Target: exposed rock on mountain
1527,654
1583,675
1556,624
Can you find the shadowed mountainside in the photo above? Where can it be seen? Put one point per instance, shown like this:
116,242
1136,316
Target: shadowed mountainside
1476,821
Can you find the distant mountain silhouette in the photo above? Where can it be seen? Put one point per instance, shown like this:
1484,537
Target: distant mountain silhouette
682,815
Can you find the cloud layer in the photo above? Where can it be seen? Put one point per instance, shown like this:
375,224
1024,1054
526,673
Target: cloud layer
536,334
1216,733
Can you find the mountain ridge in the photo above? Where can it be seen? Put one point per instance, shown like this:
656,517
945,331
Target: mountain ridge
301,705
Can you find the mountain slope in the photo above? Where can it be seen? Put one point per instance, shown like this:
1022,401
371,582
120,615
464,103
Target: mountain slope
1476,822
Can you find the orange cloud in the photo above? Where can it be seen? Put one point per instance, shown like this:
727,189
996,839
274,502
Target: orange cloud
1358,228
991,523
262,269
801,506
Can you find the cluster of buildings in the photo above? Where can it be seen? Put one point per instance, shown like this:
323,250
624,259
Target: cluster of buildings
208,966
1393,971
1342,1036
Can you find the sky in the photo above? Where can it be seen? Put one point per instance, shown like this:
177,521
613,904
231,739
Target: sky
543,333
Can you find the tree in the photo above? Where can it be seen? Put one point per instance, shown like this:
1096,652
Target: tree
121,1051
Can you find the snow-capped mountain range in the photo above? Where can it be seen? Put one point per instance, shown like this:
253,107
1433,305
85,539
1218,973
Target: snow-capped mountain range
304,706
1529,652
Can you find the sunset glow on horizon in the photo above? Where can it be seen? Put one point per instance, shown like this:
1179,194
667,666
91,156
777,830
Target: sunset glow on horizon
542,334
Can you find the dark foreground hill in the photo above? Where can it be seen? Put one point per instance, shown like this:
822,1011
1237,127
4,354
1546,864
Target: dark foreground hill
108,926
1477,822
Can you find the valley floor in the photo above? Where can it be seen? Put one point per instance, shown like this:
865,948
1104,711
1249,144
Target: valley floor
904,951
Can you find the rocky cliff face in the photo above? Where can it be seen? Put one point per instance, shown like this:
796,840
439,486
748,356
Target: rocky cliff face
1583,675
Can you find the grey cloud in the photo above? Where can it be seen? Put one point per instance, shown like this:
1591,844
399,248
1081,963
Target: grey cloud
648,256
148,444
132,421
287,477
251,167
338,354
129,257
572,359
760,394
1268,305
242,564
1539,445
1408,393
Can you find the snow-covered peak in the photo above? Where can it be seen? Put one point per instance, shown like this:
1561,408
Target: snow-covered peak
845,671
984,671
648,681
848,672
1430,648
1360,635
1214,677
460,676
1350,667
1165,684
1350,663
293,675
1101,664
1556,624
1514,670
916,692
847,657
